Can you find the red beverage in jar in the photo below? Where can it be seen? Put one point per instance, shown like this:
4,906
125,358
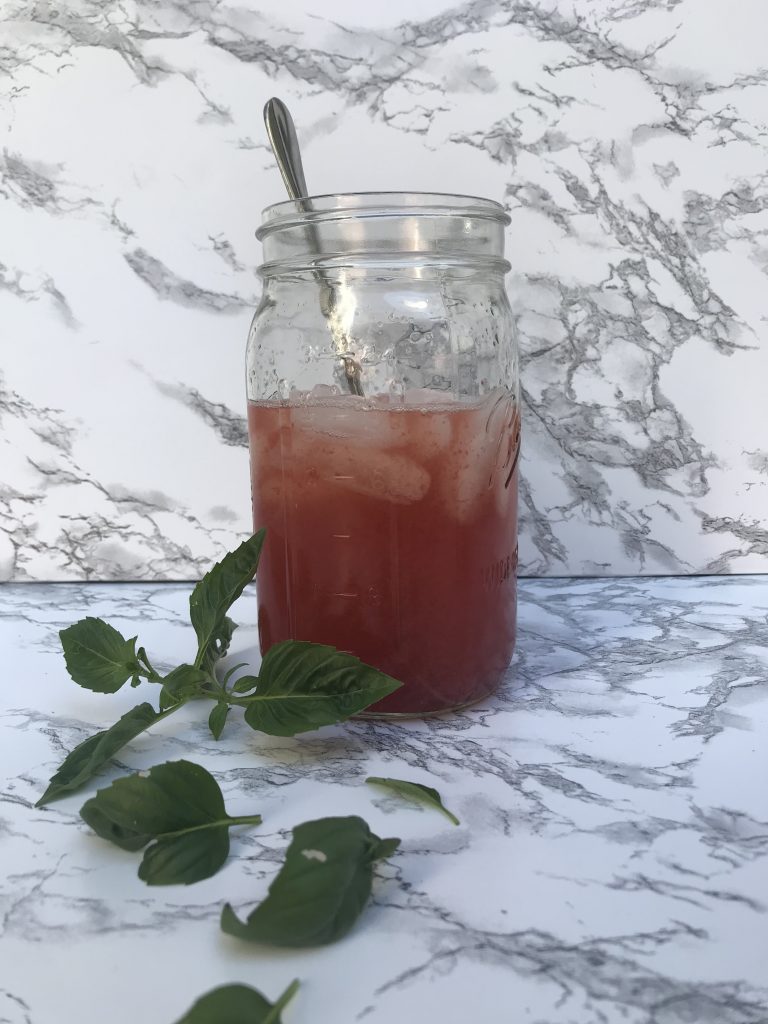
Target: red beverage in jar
392,534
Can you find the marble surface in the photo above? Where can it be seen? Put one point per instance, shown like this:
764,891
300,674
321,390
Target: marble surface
626,139
611,866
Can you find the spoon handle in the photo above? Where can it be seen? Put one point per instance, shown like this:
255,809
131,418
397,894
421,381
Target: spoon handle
285,145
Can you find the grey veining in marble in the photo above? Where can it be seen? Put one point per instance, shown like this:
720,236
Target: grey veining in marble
611,866
627,139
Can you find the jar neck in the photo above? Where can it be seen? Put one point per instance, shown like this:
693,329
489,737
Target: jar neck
393,230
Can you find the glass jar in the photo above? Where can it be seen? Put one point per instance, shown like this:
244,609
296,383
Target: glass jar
384,425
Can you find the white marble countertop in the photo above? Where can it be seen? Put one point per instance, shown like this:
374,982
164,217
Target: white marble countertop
611,864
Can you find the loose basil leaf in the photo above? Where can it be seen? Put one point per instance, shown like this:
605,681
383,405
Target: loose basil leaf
92,754
180,806
98,656
414,791
238,1004
321,888
384,848
184,681
217,719
98,815
184,859
215,593
170,798
304,686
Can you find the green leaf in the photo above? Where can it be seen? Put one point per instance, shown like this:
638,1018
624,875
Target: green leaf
321,888
238,1004
217,719
230,672
167,700
92,754
180,806
214,595
385,849
304,686
414,791
184,859
141,654
220,644
245,683
98,815
99,657
170,798
185,681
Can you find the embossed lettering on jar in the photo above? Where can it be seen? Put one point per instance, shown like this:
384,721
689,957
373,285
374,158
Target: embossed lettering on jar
384,430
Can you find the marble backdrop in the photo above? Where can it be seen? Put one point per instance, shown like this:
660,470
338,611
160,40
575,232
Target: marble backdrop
627,139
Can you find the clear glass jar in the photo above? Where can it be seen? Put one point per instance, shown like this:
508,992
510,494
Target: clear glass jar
384,428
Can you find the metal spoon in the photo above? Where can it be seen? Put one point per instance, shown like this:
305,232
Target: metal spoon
285,145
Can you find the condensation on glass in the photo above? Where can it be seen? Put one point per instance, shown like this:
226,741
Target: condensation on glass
384,431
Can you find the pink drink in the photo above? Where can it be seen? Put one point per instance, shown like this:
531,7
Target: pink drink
392,533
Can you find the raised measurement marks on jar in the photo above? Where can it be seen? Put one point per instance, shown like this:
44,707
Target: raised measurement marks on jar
500,571
503,418
513,467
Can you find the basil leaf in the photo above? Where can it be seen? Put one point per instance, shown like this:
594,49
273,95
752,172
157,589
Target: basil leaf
238,1004
304,686
384,849
101,820
98,656
184,859
214,594
152,676
219,644
170,798
414,791
321,889
230,672
167,700
217,720
184,681
180,806
92,754
245,683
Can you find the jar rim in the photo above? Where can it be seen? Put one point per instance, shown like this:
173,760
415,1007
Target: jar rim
346,205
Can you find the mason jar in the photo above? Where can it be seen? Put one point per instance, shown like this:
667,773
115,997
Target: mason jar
384,425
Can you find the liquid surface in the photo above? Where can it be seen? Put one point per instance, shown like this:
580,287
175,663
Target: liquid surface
392,534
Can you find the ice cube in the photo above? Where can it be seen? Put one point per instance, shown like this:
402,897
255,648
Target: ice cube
322,391
467,476
352,418
269,492
430,432
477,444
419,397
359,467
264,440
